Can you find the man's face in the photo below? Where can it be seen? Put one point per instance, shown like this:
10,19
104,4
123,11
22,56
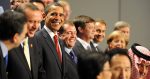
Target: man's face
100,32
34,18
126,31
120,67
16,3
69,36
143,67
55,18
67,12
117,43
89,31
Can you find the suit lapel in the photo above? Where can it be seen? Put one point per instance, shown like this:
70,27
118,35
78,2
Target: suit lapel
31,50
20,53
70,59
63,56
92,46
52,46
78,48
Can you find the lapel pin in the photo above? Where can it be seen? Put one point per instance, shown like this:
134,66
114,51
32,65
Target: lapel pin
31,45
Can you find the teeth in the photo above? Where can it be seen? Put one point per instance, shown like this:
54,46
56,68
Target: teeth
57,23
72,40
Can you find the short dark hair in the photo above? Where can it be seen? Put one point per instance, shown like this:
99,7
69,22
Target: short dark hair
62,29
91,64
11,22
118,51
81,20
49,6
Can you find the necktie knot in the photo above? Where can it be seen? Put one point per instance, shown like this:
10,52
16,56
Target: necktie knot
71,54
25,43
55,37
6,60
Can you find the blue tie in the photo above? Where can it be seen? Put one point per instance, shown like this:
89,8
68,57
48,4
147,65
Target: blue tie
73,56
6,60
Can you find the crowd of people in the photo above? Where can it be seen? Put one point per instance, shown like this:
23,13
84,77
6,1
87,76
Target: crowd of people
39,41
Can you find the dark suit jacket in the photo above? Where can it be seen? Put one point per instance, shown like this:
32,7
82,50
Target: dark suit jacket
17,64
98,49
79,49
52,65
71,68
2,66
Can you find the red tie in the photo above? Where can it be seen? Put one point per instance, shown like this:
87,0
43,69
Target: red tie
57,47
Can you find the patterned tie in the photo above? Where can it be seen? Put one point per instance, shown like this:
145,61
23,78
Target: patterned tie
57,47
26,52
73,56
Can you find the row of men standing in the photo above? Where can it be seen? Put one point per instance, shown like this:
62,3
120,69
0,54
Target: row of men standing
46,56
30,66
40,59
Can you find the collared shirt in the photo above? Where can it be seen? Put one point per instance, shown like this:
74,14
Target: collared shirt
4,49
51,34
23,41
84,43
68,50
1,10
95,44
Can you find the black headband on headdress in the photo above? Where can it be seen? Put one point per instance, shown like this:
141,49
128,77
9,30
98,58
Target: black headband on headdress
138,53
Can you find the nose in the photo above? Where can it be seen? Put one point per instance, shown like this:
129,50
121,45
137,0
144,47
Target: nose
119,44
73,35
144,70
122,74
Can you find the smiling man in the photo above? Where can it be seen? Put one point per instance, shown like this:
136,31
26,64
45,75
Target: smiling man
68,35
53,54
24,61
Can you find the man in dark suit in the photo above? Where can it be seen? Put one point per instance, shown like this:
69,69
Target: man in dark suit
25,61
12,32
52,49
68,34
85,32
100,27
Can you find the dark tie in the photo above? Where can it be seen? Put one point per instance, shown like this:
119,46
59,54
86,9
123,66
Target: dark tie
57,47
6,60
73,56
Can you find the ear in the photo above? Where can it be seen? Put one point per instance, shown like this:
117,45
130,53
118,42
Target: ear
15,38
43,15
110,45
80,29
